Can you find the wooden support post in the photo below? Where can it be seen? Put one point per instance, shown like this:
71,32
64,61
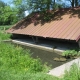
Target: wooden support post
79,43
35,39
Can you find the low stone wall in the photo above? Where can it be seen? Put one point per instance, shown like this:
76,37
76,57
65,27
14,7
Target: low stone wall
58,51
60,70
45,53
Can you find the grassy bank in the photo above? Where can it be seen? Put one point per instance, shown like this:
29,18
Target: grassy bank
17,64
3,34
5,27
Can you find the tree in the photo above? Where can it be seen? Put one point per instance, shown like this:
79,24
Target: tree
35,5
41,6
74,3
20,6
2,6
8,15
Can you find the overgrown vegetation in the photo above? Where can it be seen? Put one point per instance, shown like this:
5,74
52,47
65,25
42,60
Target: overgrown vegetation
70,53
5,27
17,64
3,34
16,58
73,73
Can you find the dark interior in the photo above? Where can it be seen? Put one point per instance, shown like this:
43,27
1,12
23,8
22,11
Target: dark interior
47,41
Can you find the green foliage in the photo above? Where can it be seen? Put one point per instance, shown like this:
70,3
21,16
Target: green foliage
20,8
70,53
8,14
5,27
2,4
35,5
4,36
9,75
17,64
41,5
17,58
73,73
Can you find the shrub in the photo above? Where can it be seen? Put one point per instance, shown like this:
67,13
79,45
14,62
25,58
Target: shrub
4,36
69,53
17,64
16,58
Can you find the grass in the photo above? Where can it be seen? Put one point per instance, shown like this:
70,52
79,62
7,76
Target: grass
5,27
73,73
3,34
17,64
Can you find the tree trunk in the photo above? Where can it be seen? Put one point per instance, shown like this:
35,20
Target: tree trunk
76,3
48,4
54,2
72,3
